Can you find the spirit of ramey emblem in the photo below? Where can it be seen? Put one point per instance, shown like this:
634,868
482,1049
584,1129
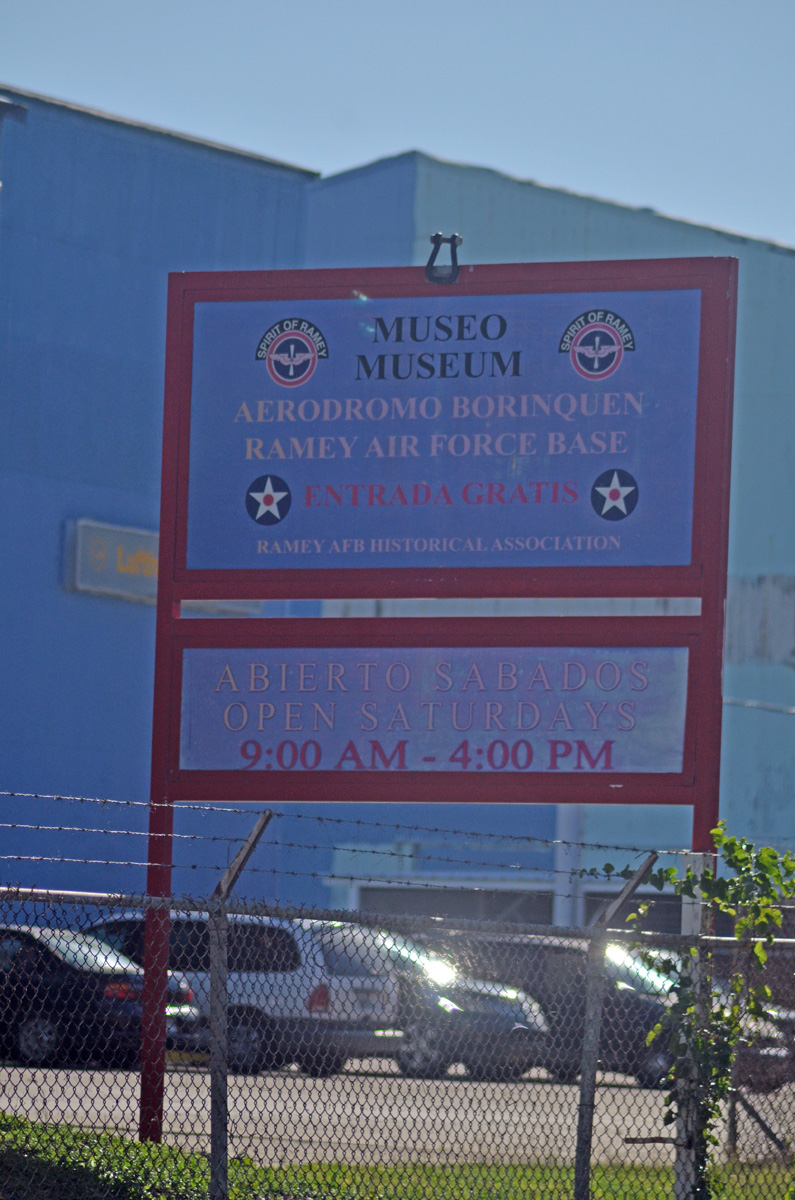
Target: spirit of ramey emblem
596,342
291,349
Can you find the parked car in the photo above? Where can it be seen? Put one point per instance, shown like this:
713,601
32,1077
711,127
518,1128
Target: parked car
636,996
288,1002
67,996
441,1016
552,970
765,1059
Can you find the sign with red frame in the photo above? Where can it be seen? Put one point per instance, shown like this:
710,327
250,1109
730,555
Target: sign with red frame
536,709
533,430
549,429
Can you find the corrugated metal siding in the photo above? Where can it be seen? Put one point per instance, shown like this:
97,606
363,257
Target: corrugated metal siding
760,620
94,214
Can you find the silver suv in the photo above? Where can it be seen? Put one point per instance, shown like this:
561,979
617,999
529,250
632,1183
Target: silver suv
289,1002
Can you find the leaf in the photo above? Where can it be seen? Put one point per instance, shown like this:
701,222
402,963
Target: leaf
768,859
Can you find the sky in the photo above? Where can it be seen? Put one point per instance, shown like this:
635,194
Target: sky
685,107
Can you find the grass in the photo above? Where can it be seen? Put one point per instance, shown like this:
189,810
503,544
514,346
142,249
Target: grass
413,1181
57,1162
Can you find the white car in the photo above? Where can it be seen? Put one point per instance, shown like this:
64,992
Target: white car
292,996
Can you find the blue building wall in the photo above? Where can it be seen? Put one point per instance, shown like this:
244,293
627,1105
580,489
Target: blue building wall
363,218
94,214
510,220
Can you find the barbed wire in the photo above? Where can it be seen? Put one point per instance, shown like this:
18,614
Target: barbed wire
356,822
486,835
427,858
418,885
141,833
266,870
415,882
469,835
290,910
183,805
786,709
400,855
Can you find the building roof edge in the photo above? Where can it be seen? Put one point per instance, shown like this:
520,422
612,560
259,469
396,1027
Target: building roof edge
193,139
630,208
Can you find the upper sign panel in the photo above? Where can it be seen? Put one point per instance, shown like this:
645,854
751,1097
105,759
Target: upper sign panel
444,430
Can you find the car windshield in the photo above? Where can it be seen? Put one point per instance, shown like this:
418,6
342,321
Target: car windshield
347,954
407,955
627,968
80,950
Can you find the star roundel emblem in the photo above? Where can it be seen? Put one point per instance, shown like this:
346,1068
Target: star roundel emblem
268,500
614,495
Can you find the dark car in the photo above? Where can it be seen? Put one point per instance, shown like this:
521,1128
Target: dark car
553,969
636,997
441,1016
68,997
765,1059
634,1000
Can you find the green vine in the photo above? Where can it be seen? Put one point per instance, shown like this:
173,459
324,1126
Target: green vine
705,1025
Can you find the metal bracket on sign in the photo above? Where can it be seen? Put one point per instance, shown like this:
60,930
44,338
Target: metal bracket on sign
443,274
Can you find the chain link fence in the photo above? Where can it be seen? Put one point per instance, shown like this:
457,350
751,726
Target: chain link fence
325,1053
456,1026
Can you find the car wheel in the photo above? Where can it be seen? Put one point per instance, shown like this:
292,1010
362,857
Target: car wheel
110,1054
250,1047
652,1071
39,1039
420,1055
320,1065
563,1073
491,1071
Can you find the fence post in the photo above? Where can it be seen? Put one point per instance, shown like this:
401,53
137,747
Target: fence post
731,1122
595,983
691,1148
153,1016
219,1110
219,999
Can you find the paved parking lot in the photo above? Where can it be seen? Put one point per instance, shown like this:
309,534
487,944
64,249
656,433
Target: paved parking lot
368,1114
371,1114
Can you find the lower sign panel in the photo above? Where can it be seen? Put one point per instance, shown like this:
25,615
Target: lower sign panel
419,709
